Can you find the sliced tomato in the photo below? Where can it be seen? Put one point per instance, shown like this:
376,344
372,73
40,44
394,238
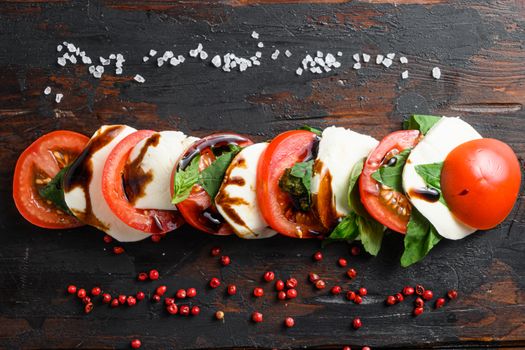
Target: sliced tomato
36,166
277,207
480,181
199,208
387,206
146,220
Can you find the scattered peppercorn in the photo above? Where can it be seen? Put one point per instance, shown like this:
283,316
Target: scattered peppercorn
363,292
172,309
191,292
352,273
215,251
140,296
390,300
219,315
356,323
350,295
358,299
318,256
142,276
291,293
257,317
135,344
440,302
320,284
71,289
408,291
131,301
214,282
153,275
452,294
355,250
96,291
342,262
269,276
181,294
281,295
399,297
232,289
184,310
88,308
155,298
122,299
81,293
279,285
115,303
225,260
118,250
291,283
289,322
336,290
195,310
107,239
313,277
420,290
428,295
106,298
258,292
419,303
417,311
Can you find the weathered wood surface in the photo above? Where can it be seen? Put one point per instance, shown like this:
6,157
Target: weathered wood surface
480,46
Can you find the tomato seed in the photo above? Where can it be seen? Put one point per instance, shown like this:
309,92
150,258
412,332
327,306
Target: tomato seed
156,238
86,300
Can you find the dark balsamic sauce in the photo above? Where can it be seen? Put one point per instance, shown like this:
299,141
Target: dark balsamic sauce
427,194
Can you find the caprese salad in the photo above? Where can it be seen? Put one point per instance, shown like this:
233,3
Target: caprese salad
437,178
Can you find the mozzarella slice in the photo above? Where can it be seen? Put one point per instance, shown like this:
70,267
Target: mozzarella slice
339,150
236,200
441,139
83,185
156,156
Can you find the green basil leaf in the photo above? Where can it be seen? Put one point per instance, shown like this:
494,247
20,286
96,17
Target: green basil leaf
354,198
312,129
371,233
420,238
431,174
420,122
296,182
211,178
184,181
391,175
346,230
54,192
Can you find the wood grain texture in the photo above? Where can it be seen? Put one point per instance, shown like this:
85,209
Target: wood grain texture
479,46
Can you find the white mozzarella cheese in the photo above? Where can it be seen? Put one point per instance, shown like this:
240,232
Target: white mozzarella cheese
87,201
163,150
339,150
236,200
441,139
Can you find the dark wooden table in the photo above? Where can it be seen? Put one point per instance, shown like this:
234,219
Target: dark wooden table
480,47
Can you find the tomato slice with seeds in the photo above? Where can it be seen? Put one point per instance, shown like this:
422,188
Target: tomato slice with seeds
277,207
387,206
36,166
146,220
199,208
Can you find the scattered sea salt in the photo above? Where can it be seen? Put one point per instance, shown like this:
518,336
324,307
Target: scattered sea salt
61,61
91,69
47,90
357,65
72,59
319,54
145,59
174,61
260,45
356,57
404,75
391,55
299,71
97,75
152,52
203,55
112,56
71,48
339,53
387,62
160,61
58,97
258,54
86,60
139,78
255,35
403,60
436,72
287,53
99,69
216,61
104,61
379,59
275,54
366,58
59,48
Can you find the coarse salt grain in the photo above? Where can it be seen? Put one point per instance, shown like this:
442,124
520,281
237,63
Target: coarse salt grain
391,55
387,62
260,44
72,59
403,60
58,97
61,61
436,72
59,48
299,71
104,61
258,54
339,53
275,54
356,57
71,48
319,54
99,69
379,59
139,78
112,56
366,58
152,52
255,35
47,90
404,75
97,75
145,59
193,53
118,71
357,65
86,60
203,55
160,61
174,61
91,69
287,53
